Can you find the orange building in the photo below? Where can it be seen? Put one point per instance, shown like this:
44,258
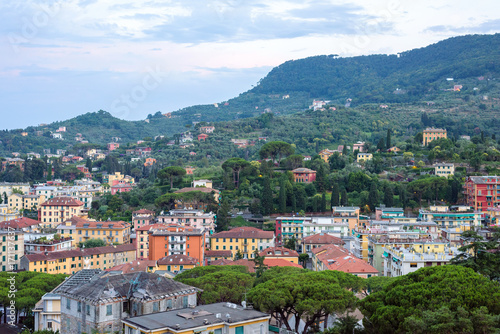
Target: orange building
174,239
431,134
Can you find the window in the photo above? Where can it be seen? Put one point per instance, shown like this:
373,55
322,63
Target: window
88,309
239,330
218,331
109,309
413,265
68,304
185,301
169,304
156,306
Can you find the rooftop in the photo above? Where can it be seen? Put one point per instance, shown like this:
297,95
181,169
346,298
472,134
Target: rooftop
278,252
322,238
178,259
62,201
80,252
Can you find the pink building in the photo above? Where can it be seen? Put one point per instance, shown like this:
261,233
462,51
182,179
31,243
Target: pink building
113,146
121,188
304,175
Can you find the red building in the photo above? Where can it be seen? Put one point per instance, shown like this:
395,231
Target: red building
121,188
84,170
113,146
482,192
304,175
202,137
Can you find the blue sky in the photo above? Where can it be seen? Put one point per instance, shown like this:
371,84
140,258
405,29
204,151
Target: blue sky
60,59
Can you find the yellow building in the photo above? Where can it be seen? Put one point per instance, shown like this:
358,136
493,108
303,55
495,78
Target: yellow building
25,202
244,239
58,209
431,134
82,230
176,263
11,249
280,253
71,261
215,318
117,177
444,169
326,154
364,157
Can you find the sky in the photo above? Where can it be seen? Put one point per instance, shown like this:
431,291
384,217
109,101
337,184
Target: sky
60,59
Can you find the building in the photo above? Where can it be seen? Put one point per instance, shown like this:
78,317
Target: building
431,134
177,263
202,137
304,175
8,214
347,214
207,129
13,162
12,246
326,154
291,227
142,240
280,253
214,255
21,224
359,146
482,192
142,218
58,209
333,257
117,178
363,157
216,318
384,213
25,202
444,169
168,240
191,218
149,162
81,230
202,183
463,217
70,261
318,240
194,204
42,245
244,239
400,261
101,304
121,188
113,146
134,267
493,215
335,226
8,188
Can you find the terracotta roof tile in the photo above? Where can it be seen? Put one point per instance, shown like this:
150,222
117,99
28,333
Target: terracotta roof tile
19,223
134,266
218,253
221,262
80,252
178,259
337,258
62,201
280,263
279,252
321,238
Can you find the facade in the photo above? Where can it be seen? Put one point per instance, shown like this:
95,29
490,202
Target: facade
431,134
169,240
493,215
117,178
56,210
39,246
445,170
191,218
113,146
21,224
244,239
8,187
25,202
142,218
70,261
326,154
102,303
121,188
400,261
12,249
318,240
142,240
335,226
82,230
333,257
202,183
463,217
7,214
13,162
207,129
304,175
482,192
363,157
359,146
219,318
384,213
291,227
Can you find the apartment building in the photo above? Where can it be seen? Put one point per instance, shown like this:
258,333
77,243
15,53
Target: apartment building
280,253
58,209
12,249
431,134
169,240
244,239
334,257
482,192
142,218
25,202
8,188
71,261
81,230
444,169
463,217
177,263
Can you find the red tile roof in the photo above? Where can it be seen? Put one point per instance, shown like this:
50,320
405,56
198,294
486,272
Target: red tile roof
340,259
245,232
62,201
177,259
134,266
144,211
148,227
321,239
221,262
280,263
80,252
103,225
244,262
279,252
19,223
218,253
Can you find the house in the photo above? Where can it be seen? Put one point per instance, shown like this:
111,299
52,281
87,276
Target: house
431,134
207,129
202,137
101,304
359,146
318,240
41,245
363,157
192,153
189,170
134,267
333,257
25,202
143,151
23,224
61,129
385,213
142,217
56,210
394,149
121,188
318,104
481,192
117,178
84,170
197,219
211,256
444,169
57,136
307,158
176,263
70,261
149,162
13,162
280,253
216,318
304,175
24,134
244,239
202,183
142,240
326,153
81,230
113,146
12,246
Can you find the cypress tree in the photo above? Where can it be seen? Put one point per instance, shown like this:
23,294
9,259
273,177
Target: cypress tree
388,140
388,196
335,195
343,197
282,194
323,203
267,197
373,196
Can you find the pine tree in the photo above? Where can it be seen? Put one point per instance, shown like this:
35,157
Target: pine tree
335,195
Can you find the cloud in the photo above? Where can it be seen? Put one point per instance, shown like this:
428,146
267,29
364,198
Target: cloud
482,28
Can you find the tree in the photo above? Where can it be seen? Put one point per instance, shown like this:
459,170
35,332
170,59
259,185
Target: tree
309,296
238,255
335,200
223,217
293,161
267,197
290,243
276,150
388,139
303,258
171,173
236,165
323,203
282,194
404,302
388,196
260,267
71,173
381,144
344,201
92,243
